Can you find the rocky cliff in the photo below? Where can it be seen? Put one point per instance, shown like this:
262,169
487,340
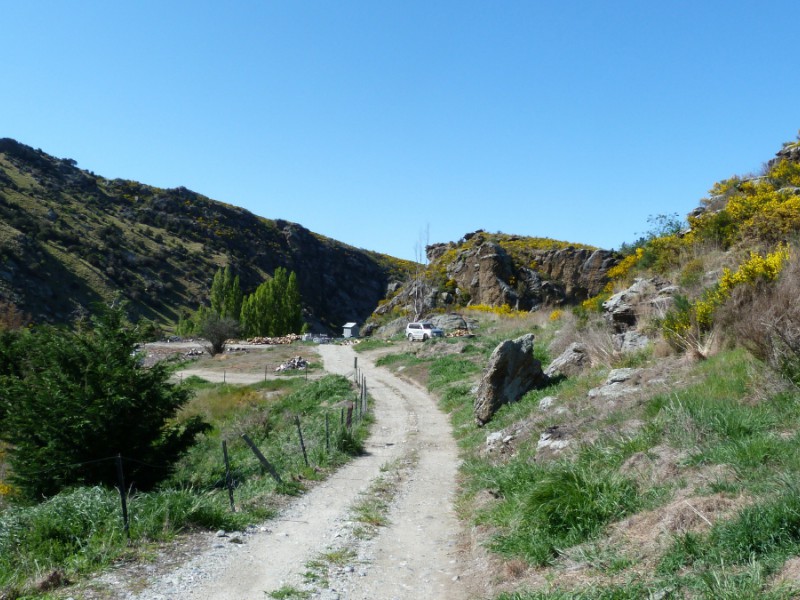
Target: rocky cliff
523,273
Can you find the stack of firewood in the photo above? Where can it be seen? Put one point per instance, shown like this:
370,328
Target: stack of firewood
284,339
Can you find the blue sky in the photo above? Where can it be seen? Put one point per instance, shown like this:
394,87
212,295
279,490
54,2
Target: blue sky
374,122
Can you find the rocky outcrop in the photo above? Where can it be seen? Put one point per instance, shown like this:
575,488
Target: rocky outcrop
489,274
512,372
573,361
499,269
624,309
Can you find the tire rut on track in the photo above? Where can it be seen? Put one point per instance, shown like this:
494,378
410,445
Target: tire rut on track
414,556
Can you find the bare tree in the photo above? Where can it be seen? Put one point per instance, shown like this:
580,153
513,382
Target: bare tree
217,331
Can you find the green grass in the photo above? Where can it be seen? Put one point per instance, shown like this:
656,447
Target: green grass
544,509
550,513
288,592
80,531
719,424
367,344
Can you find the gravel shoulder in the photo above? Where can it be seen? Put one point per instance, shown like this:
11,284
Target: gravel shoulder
415,556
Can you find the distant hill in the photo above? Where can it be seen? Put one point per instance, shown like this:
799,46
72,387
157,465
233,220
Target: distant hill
70,238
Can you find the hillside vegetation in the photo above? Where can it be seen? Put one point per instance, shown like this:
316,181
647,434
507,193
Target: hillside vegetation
664,470
664,466
70,238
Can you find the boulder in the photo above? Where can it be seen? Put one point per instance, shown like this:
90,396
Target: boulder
630,341
571,362
622,309
450,322
618,383
512,372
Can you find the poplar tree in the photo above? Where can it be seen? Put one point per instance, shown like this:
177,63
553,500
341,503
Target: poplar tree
275,307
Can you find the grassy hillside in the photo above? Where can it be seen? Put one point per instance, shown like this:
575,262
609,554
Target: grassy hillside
664,472
69,238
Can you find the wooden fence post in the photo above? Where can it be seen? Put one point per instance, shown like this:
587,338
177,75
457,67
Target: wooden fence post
123,496
228,478
300,435
264,462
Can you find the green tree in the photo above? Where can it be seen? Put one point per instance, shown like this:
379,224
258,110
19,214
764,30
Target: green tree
71,400
258,311
225,298
275,307
226,294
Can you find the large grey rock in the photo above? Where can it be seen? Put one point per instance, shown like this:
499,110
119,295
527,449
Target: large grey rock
571,362
512,372
618,383
390,329
623,309
449,322
631,341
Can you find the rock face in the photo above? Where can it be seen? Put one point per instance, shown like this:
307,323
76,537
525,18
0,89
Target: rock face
489,274
511,373
625,310
498,269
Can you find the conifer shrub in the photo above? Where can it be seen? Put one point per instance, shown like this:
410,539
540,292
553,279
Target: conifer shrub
72,400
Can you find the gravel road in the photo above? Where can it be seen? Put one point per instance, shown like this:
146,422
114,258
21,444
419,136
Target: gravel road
414,556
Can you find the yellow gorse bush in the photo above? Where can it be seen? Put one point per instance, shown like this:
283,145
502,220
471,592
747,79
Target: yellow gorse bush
756,268
620,271
765,209
556,314
615,274
504,310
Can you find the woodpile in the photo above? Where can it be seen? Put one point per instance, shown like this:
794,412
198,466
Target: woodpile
273,341
460,333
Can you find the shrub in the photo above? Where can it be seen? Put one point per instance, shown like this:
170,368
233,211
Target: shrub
772,334
687,324
71,400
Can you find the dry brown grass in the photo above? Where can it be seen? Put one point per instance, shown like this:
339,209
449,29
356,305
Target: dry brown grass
766,320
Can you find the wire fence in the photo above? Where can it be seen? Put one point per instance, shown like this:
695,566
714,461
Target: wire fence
353,412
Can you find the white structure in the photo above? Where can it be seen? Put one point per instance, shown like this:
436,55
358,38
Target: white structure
350,330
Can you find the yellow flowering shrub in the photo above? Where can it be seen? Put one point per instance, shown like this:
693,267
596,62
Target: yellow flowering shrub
785,173
766,209
620,271
556,314
701,311
503,310
595,303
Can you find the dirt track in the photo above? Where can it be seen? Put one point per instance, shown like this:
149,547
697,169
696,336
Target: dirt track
415,556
